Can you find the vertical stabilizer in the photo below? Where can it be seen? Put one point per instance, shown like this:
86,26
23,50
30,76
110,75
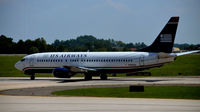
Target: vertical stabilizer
165,40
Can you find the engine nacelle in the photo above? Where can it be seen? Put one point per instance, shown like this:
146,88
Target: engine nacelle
61,73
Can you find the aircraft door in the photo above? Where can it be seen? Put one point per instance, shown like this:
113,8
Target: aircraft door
141,60
31,62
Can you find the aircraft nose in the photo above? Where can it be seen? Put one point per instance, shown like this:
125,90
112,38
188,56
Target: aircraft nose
18,66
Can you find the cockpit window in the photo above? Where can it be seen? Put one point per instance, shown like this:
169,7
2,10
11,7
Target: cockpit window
22,59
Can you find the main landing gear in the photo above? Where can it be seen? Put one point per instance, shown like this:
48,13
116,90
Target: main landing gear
88,76
32,77
102,76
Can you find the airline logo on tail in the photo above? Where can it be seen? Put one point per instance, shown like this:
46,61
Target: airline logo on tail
166,38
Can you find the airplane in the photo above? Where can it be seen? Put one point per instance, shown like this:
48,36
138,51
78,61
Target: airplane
68,64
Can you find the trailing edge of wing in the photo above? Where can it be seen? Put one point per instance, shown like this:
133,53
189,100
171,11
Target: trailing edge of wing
79,69
184,53
88,69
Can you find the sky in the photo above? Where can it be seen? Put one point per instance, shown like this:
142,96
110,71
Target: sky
124,20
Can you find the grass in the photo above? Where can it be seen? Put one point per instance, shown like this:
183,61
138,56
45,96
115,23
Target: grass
7,68
188,65
172,92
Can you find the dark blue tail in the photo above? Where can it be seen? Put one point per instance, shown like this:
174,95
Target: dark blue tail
165,40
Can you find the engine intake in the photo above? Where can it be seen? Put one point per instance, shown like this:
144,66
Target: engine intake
61,73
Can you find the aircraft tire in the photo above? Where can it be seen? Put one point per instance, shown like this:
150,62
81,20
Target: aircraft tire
32,77
104,77
88,77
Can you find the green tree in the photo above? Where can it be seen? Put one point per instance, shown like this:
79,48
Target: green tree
6,45
40,43
20,47
33,49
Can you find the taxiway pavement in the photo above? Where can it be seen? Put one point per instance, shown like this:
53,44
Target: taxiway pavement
9,103
93,104
25,82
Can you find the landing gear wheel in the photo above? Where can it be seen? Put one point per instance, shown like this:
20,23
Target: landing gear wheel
32,77
104,77
88,77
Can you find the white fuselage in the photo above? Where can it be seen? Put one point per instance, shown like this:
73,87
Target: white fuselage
93,60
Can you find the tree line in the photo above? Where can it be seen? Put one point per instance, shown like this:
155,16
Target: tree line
81,43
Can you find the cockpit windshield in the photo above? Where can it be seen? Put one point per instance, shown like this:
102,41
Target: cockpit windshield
22,59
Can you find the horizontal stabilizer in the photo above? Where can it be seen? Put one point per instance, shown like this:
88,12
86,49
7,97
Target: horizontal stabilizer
184,53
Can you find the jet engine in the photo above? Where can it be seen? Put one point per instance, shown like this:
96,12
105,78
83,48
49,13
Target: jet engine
62,73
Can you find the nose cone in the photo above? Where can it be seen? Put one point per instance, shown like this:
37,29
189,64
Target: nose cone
19,66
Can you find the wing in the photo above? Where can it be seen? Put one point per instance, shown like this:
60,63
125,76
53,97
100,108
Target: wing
79,69
88,69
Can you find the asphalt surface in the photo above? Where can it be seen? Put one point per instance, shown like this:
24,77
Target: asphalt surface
88,104
25,82
45,86
38,98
